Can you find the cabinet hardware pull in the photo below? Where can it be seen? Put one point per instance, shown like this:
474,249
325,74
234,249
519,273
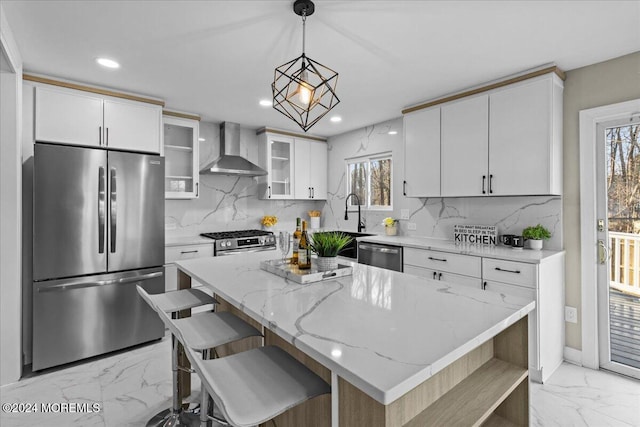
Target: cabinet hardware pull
437,259
106,142
100,135
508,271
197,188
434,275
313,192
269,189
484,286
484,178
309,190
439,276
490,184
189,252
404,188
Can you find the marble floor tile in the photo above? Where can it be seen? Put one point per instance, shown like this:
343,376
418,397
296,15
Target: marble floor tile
132,386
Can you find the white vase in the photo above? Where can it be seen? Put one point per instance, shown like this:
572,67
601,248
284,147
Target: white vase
391,230
314,222
535,244
326,263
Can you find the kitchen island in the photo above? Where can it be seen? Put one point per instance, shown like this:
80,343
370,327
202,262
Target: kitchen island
398,350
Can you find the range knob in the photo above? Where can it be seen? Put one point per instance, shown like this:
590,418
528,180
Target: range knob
262,240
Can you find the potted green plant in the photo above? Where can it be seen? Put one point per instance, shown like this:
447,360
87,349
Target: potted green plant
327,245
535,235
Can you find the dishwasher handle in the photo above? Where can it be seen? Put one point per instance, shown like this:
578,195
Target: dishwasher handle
380,249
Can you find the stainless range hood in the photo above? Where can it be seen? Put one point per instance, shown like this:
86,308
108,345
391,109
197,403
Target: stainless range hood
230,161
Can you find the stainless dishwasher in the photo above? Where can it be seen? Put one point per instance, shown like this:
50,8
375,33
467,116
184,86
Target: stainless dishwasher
379,255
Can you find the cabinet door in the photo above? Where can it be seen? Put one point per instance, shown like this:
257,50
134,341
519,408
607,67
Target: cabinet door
280,167
422,153
132,126
303,162
465,136
520,139
318,170
181,158
68,117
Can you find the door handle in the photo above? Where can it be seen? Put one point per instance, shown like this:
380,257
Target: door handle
100,135
603,252
95,283
484,179
439,276
437,259
490,184
378,249
106,142
404,188
434,275
309,189
197,188
101,210
269,191
508,271
114,210
484,286
313,192
189,252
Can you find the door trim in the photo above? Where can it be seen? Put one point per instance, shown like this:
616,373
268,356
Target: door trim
589,119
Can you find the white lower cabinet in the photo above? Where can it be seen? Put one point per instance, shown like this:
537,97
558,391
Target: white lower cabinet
543,282
178,253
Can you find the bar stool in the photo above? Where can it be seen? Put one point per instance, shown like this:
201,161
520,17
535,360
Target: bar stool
202,332
165,303
251,387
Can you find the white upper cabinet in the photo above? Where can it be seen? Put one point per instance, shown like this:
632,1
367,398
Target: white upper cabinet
132,126
277,157
181,151
525,123
505,142
422,153
311,169
464,147
68,117
74,117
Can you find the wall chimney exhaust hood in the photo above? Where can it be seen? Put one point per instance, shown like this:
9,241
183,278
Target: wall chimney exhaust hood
230,161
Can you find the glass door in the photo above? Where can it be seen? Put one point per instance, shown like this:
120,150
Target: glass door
181,158
618,210
280,168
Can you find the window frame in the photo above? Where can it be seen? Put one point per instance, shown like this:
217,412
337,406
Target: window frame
366,205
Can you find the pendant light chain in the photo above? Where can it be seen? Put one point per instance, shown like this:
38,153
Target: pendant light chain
304,32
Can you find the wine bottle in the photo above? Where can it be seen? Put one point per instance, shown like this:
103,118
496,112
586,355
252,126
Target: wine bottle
296,242
304,251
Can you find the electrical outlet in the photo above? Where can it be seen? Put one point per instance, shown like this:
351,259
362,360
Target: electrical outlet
570,314
404,213
411,226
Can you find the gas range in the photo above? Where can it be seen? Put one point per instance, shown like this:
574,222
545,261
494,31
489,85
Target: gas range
232,242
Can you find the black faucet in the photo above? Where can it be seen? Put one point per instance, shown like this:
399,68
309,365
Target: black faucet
361,225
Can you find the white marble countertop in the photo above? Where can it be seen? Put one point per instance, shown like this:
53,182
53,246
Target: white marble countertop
187,240
498,252
384,332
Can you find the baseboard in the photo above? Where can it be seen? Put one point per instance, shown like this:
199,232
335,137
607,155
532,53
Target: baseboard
573,355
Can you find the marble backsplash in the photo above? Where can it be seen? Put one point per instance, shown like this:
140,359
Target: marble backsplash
229,202
433,217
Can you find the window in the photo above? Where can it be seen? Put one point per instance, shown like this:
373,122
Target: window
370,179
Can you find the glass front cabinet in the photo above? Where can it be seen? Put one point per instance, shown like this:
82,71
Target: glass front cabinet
277,157
181,157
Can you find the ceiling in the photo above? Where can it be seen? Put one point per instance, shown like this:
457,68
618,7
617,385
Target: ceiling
216,58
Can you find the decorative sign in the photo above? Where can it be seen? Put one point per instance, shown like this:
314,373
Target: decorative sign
477,234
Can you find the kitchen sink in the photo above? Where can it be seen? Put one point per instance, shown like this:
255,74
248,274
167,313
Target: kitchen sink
351,250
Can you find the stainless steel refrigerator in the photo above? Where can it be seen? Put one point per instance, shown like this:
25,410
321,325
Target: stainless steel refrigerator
98,231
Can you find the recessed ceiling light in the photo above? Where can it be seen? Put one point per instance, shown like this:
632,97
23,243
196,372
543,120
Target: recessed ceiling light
336,119
393,132
201,139
106,62
266,102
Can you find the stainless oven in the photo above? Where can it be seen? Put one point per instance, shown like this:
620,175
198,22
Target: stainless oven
379,255
241,241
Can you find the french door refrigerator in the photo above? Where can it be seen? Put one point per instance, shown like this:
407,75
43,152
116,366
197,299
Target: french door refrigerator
98,231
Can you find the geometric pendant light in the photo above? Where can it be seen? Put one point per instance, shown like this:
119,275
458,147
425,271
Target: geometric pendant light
304,90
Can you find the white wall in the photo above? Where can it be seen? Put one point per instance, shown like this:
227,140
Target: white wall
434,217
10,209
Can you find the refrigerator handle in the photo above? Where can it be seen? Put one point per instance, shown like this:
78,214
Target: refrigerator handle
93,284
101,209
114,210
